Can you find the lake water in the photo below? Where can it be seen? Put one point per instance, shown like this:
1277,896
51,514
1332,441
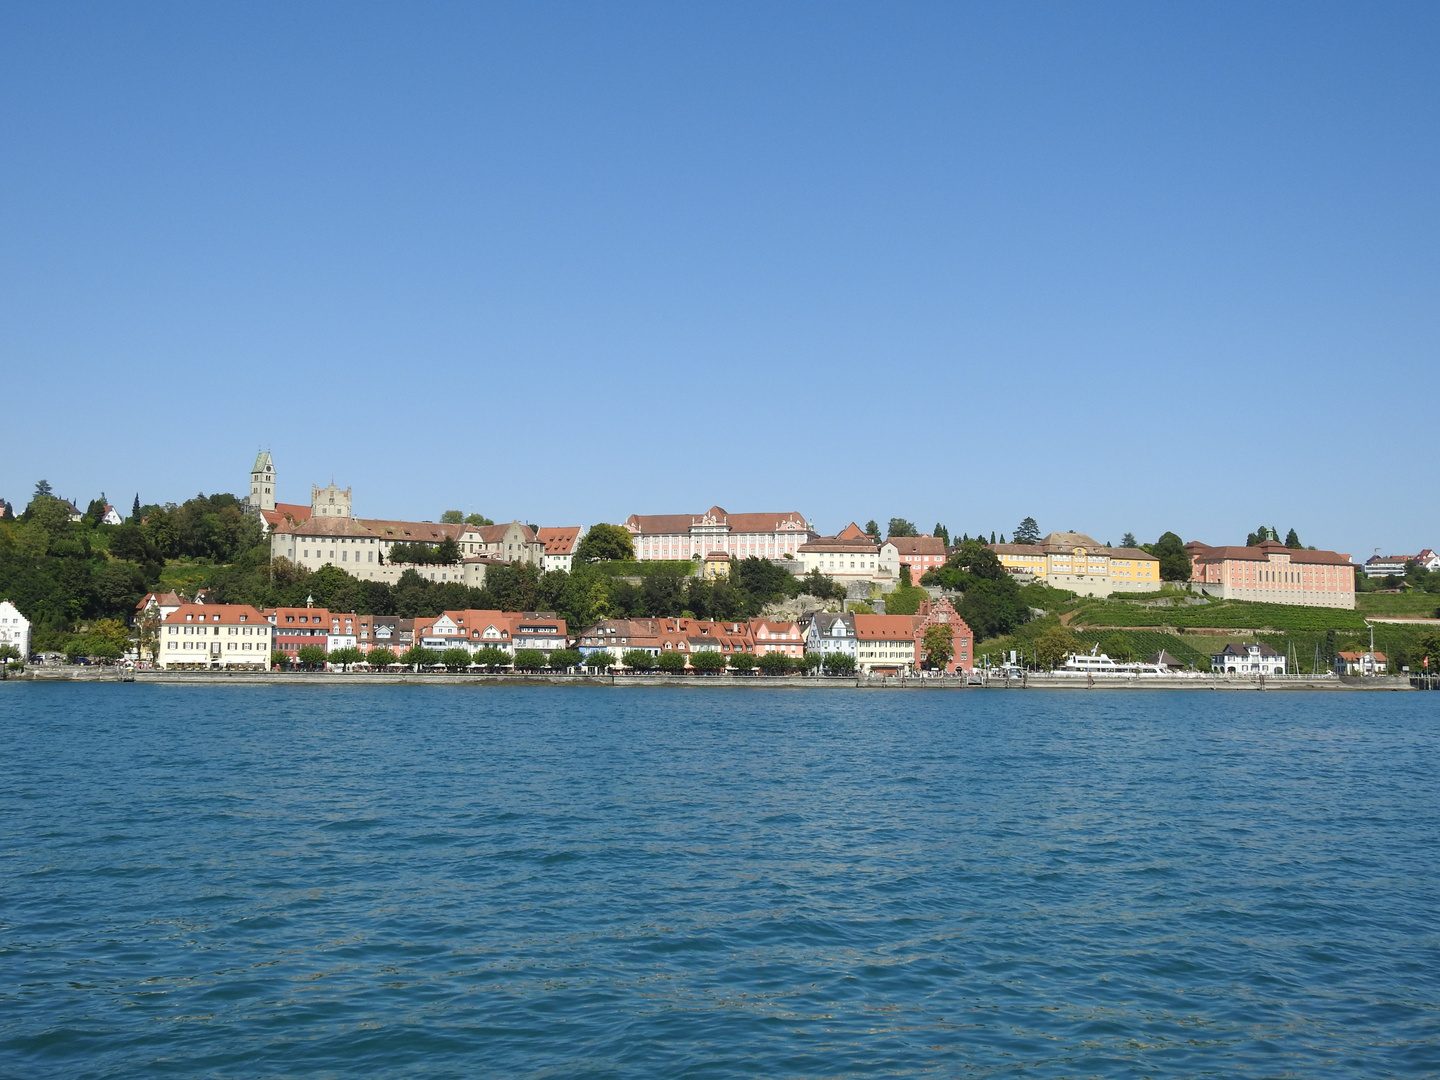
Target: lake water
480,881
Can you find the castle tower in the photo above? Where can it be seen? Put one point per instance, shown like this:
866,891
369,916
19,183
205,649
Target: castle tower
262,482
329,501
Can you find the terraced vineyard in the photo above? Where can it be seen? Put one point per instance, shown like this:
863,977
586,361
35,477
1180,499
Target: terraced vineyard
1224,614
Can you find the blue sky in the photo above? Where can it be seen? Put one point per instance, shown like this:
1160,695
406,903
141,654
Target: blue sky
1119,266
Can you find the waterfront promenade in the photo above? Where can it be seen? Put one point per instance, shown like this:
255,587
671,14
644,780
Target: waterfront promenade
977,681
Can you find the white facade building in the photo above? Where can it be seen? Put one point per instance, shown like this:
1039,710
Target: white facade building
559,543
850,556
195,636
830,632
14,629
1255,658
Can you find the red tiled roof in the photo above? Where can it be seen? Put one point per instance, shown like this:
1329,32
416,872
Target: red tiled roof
323,526
294,511
219,614
917,545
865,546
663,524
885,627
559,539
1261,553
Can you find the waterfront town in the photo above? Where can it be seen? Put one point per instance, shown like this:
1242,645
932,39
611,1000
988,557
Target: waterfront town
707,591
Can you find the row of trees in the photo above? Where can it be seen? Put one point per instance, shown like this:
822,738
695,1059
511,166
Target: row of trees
708,661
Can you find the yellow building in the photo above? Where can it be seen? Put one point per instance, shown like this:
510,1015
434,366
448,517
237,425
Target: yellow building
1076,562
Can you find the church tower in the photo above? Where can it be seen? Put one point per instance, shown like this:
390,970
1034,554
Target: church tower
262,482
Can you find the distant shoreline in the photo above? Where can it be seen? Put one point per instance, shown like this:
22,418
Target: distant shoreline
748,682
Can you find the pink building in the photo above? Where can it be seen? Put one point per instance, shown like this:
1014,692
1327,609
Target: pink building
920,553
1274,574
781,637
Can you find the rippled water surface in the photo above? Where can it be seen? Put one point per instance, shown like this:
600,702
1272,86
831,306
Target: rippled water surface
456,882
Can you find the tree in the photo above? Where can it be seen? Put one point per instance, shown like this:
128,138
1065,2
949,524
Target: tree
347,656
810,662
1292,541
492,657
938,645
672,663
1118,646
1053,646
901,527
1427,648
1128,540
312,656
664,593
279,659
1027,532
455,658
605,543
1261,535
821,587
529,659
744,661
905,579
637,659
135,510
872,529
775,663
943,533
477,519
599,660
417,657
380,658
839,663
452,517
9,653
42,490
564,659
708,661
447,551
96,510
1174,562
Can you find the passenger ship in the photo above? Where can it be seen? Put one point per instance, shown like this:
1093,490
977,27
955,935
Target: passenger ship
1097,663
